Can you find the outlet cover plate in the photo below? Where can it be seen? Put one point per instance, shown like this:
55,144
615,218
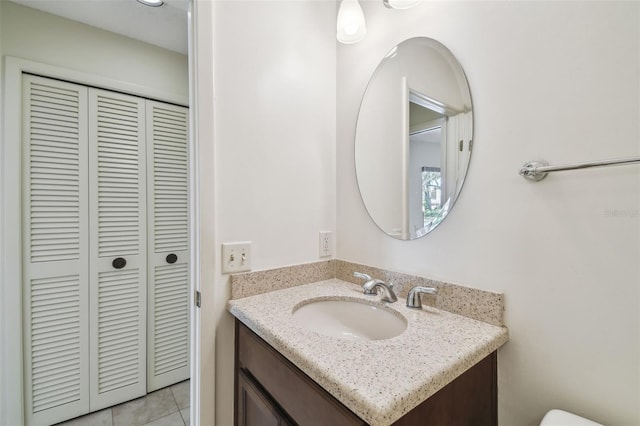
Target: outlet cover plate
326,244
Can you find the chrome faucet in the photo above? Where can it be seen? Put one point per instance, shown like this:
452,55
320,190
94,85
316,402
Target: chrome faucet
413,298
372,285
369,284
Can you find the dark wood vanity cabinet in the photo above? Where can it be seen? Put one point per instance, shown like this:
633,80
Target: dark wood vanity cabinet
270,390
257,406
287,388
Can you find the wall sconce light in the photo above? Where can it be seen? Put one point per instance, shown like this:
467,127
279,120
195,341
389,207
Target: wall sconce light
152,3
400,4
351,25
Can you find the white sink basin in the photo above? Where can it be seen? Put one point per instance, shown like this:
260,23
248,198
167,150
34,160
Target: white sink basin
349,319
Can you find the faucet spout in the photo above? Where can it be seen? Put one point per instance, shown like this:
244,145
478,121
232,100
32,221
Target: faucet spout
388,295
372,285
368,285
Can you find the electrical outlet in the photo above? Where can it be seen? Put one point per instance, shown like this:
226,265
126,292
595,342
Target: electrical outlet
236,257
326,245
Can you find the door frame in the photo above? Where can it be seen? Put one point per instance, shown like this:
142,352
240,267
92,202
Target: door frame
11,210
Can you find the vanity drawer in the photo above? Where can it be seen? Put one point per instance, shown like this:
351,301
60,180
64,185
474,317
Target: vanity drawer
299,396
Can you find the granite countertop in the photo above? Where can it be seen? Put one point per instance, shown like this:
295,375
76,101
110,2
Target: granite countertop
380,380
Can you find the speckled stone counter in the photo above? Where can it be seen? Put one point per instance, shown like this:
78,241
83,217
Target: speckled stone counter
381,380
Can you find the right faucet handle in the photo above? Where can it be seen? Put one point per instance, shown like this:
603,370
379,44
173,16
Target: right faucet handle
413,298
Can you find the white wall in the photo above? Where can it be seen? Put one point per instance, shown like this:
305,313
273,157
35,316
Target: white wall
274,115
31,34
553,80
40,37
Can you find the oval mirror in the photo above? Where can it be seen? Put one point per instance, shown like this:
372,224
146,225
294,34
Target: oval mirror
413,138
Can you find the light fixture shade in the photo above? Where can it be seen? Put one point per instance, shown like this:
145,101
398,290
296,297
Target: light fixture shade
400,4
152,3
351,25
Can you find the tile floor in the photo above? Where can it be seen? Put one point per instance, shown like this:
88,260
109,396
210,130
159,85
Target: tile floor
164,407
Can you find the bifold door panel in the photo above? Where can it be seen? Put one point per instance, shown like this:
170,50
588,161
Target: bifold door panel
118,257
168,218
55,250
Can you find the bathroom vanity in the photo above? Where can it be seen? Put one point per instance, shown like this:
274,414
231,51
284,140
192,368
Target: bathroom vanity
441,370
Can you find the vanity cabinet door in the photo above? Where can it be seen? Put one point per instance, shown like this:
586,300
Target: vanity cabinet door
469,400
255,408
302,399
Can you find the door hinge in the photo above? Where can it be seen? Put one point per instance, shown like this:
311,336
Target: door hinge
198,299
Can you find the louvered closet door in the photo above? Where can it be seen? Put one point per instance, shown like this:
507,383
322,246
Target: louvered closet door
55,251
168,218
118,266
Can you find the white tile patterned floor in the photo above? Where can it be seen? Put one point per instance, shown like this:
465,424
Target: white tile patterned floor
164,407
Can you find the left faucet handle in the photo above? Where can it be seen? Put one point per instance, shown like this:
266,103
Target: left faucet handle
362,276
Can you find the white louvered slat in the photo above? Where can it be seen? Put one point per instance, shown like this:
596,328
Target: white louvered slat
48,121
168,218
118,213
55,342
118,132
55,243
170,178
118,298
171,317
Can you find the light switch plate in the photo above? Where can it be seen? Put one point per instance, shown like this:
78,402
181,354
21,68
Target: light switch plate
236,257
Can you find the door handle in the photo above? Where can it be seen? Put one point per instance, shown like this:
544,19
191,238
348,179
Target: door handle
119,262
171,258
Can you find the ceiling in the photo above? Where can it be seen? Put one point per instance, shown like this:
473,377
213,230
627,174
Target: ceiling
164,26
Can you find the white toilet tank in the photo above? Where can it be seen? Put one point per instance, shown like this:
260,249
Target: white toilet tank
564,418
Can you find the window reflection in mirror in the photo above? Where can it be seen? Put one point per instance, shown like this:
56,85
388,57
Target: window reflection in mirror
431,196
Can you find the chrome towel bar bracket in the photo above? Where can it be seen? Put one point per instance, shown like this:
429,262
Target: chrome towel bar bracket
538,170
